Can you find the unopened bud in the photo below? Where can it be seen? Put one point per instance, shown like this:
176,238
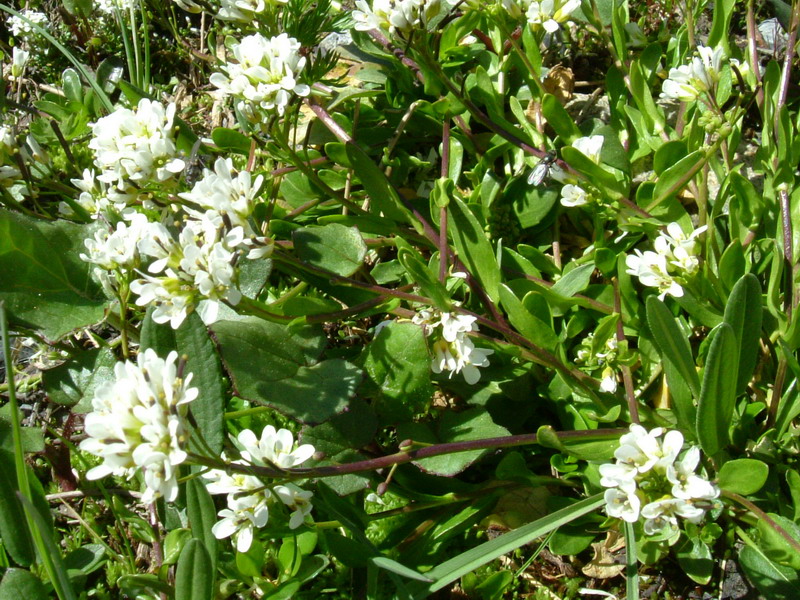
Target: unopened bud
406,445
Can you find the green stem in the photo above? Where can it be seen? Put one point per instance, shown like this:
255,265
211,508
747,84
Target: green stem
631,564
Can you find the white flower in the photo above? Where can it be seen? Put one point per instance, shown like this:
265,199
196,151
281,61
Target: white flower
460,356
549,14
454,325
110,7
138,423
297,499
688,82
622,505
652,270
620,474
23,29
686,484
264,75
136,146
590,147
97,198
573,195
516,8
19,58
275,447
640,448
244,10
240,519
396,15
664,513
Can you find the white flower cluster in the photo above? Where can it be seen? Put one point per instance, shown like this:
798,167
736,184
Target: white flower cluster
452,349
244,11
138,423
196,269
19,60
136,146
701,75
110,7
265,74
653,479
395,16
675,258
97,198
22,29
545,14
248,498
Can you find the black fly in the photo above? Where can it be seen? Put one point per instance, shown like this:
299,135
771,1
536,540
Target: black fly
542,170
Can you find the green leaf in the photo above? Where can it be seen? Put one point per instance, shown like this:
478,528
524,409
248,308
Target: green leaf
86,559
696,560
559,119
73,383
54,563
574,281
473,247
398,365
71,81
718,392
743,476
194,578
173,545
536,330
676,177
677,356
333,247
45,285
450,570
421,274
383,562
191,340
472,424
272,366
338,439
202,517
133,586
382,195
231,140
774,581
13,528
774,545
19,584
743,313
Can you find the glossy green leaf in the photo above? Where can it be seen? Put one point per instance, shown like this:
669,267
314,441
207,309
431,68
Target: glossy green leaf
559,119
202,516
397,363
677,356
743,313
13,529
676,177
382,196
19,584
743,476
718,392
421,274
54,563
696,560
46,286
73,383
338,439
272,366
333,247
71,81
191,340
774,545
472,424
193,577
535,330
774,581
231,140
473,247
